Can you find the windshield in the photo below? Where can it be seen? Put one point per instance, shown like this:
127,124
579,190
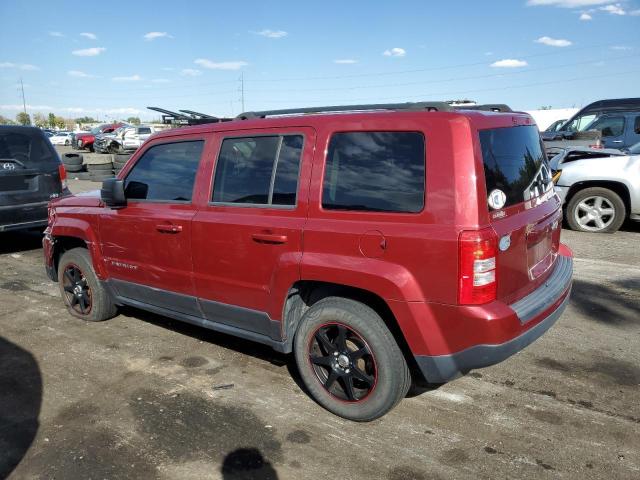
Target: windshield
95,130
514,162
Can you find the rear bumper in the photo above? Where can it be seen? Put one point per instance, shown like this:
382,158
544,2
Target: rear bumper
28,215
534,315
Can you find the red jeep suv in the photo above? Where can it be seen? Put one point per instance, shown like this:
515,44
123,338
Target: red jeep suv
380,244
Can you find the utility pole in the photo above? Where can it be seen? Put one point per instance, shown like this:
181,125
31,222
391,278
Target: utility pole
242,90
24,103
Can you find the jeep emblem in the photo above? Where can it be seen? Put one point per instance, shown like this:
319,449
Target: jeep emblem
8,166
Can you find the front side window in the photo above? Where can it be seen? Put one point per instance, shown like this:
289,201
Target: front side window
165,172
261,170
609,126
375,171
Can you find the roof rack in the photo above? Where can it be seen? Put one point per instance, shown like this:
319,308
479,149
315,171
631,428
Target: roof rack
411,106
187,117
489,107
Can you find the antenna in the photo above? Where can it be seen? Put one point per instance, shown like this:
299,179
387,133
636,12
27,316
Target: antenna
242,90
24,103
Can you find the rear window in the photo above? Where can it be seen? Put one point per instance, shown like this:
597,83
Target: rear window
26,150
514,162
144,130
375,171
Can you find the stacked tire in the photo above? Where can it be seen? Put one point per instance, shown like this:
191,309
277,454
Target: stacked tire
100,167
119,161
73,164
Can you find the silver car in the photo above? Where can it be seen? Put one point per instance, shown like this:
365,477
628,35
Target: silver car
600,188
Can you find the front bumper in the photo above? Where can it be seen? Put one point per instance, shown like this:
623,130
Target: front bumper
540,309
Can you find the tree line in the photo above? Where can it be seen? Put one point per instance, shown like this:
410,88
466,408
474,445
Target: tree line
53,121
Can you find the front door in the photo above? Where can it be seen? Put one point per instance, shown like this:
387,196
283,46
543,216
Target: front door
147,244
247,241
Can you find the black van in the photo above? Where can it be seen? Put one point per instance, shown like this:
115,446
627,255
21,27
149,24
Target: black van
30,175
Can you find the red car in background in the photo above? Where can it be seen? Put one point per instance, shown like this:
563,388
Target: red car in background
83,141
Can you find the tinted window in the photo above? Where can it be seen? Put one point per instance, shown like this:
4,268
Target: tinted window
609,126
636,126
144,130
26,148
165,172
258,170
513,159
375,171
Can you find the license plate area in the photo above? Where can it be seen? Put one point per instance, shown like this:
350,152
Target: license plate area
543,240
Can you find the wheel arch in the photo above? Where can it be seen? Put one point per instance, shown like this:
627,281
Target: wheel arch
617,187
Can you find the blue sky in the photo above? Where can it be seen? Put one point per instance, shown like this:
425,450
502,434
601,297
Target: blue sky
112,59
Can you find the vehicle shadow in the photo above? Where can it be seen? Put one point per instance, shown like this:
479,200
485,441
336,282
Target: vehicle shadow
247,464
20,241
20,402
603,304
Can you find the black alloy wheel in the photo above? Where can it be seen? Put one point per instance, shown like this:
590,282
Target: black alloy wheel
77,291
343,362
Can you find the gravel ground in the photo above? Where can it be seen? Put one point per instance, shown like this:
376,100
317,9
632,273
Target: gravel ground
142,396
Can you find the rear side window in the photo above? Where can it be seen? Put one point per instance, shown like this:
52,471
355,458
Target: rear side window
165,172
375,171
259,170
513,162
26,150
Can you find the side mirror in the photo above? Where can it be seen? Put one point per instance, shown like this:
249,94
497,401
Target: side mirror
112,193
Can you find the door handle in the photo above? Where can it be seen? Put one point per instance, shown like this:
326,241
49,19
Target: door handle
269,238
168,228
616,141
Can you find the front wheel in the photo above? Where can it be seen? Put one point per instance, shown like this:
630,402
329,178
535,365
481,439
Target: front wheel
82,292
349,360
597,210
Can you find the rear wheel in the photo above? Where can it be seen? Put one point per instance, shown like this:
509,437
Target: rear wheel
597,210
81,290
349,360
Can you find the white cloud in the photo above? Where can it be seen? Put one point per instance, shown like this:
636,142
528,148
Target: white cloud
56,34
131,78
234,65
271,33
554,42
190,72
614,9
89,35
89,52
29,107
79,74
568,3
345,61
160,80
153,35
509,63
585,17
395,52
121,111
19,66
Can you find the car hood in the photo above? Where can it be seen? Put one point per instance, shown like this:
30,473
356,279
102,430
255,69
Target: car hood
84,199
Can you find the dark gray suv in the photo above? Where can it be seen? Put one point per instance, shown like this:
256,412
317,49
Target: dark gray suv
31,174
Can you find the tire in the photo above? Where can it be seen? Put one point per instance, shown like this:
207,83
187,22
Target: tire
75,271
100,167
595,210
72,159
81,176
70,167
383,365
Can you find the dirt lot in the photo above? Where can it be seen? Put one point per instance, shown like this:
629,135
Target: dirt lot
139,396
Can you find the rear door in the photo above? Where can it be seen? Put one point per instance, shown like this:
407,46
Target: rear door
523,209
247,239
612,128
147,244
29,174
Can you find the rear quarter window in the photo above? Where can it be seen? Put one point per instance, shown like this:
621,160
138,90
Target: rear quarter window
375,171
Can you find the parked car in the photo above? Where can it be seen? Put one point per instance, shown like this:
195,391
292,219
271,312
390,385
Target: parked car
84,141
555,126
125,139
599,190
31,174
61,138
618,130
412,241
578,130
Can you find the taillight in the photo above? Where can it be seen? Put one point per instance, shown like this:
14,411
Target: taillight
477,270
63,176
